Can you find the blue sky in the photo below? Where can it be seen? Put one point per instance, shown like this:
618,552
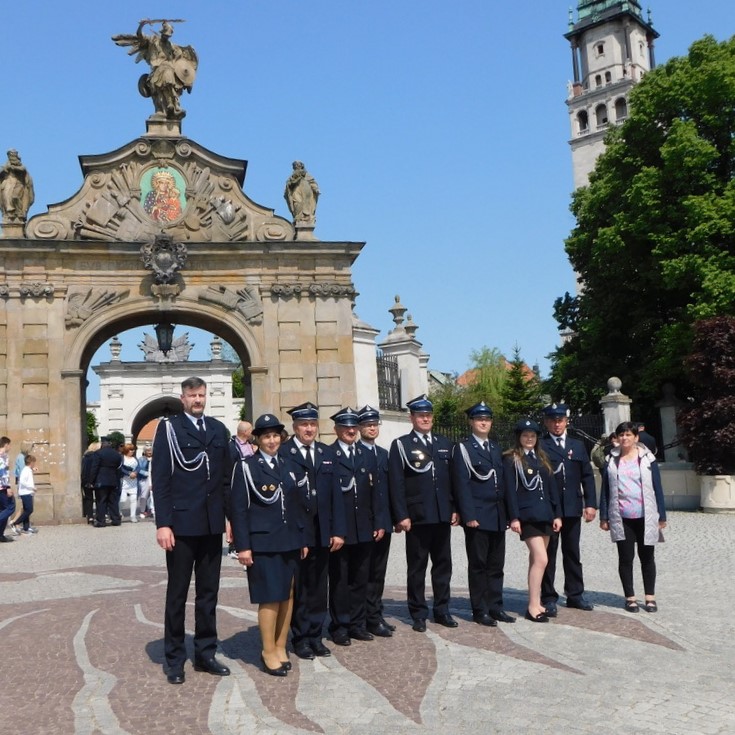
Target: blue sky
437,132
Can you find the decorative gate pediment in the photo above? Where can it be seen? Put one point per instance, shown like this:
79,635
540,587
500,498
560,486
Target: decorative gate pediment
154,185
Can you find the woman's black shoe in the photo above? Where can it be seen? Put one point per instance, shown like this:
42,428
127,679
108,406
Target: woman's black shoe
540,618
280,671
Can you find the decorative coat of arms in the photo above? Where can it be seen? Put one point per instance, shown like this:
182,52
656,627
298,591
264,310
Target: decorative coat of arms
164,257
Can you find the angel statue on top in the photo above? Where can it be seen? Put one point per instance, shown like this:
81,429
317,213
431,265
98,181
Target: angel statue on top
173,67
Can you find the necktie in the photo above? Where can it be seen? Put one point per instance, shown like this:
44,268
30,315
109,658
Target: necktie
310,469
200,426
532,455
485,446
427,441
560,442
352,455
309,459
274,463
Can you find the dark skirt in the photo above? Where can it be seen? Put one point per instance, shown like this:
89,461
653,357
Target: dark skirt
271,575
529,529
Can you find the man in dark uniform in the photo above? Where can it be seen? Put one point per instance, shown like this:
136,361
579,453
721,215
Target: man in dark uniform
355,479
646,439
477,479
369,430
190,473
105,476
312,463
421,501
568,457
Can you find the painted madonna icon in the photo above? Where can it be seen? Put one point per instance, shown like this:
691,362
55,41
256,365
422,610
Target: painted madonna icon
162,194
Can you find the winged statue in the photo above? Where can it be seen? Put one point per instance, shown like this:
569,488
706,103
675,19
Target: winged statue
172,67
180,349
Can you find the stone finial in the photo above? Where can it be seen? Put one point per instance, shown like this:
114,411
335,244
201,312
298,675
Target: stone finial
411,327
216,346
398,310
16,194
614,385
115,348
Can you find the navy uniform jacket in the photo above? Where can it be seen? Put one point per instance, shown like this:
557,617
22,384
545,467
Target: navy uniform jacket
572,465
105,470
361,502
381,457
477,499
257,524
191,502
322,500
541,504
420,483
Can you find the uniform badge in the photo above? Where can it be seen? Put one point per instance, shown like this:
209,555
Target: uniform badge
362,469
293,450
313,492
271,487
530,471
417,464
264,488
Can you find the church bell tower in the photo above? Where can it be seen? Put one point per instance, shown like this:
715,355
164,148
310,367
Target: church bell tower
612,48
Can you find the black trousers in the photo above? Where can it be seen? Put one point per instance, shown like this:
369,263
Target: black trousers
348,578
310,599
376,579
634,536
573,580
108,503
203,556
88,502
424,541
485,562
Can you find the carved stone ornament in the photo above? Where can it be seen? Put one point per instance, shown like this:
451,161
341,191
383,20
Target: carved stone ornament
4,290
81,305
246,300
326,289
164,257
151,186
36,289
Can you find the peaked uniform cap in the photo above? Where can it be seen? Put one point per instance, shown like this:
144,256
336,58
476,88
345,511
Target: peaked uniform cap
345,417
556,409
367,414
421,404
478,410
305,412
526,425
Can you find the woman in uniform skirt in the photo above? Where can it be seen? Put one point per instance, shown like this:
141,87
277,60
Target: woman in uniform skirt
268,528
532,495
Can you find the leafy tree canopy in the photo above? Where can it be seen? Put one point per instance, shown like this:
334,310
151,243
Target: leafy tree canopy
654,243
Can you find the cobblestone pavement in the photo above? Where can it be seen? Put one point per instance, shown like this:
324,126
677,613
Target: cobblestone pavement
81,613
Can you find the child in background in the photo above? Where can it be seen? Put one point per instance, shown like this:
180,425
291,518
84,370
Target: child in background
26,491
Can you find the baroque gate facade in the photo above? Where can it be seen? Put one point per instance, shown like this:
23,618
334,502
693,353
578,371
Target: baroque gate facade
161,230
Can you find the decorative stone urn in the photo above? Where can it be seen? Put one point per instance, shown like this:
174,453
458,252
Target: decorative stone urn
718,493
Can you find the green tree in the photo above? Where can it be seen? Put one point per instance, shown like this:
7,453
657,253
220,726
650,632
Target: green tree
487,376
654,243
92,426
521,393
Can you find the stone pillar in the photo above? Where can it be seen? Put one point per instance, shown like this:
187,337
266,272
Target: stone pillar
366,374
402,344
615,405
67,503
668,407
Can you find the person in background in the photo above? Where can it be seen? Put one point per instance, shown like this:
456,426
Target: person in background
632,509
26,491
105,476
532,494
7,497
144,483
88,483
241,447
646,439
129,481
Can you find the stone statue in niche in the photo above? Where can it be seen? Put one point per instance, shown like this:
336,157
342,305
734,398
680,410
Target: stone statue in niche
173,67
301,194
16,189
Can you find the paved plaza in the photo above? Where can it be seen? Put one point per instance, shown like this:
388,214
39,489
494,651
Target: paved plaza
81,613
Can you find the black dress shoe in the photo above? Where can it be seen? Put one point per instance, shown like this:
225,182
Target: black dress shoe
501,616
303,650
280,671
381,630
540,618
6,539
579,603
419,625
446,620
484,619
96,524
176,677
388,625
211,666
360,634
341,638
320,649
551,611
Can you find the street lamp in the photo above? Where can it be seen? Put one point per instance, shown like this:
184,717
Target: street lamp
165,335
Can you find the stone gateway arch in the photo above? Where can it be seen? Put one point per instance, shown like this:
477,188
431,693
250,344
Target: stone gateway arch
161,230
